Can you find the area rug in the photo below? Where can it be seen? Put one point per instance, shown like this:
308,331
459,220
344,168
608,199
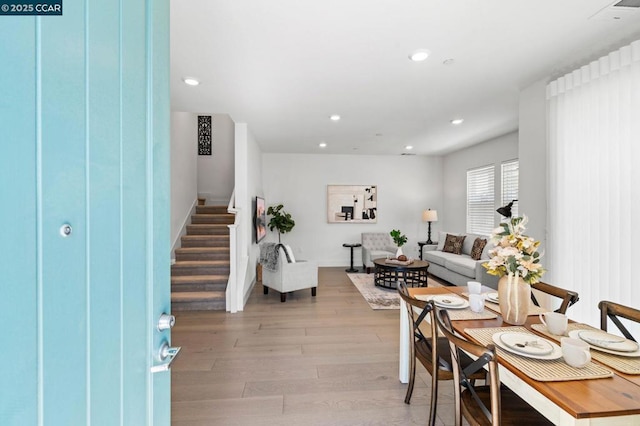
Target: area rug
376,297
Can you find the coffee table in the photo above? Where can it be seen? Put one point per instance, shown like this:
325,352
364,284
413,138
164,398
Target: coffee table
387,275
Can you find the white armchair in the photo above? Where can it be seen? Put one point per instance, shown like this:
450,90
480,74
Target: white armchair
288,277
376,245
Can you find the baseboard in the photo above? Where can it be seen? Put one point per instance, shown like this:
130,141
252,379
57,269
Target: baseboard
183,230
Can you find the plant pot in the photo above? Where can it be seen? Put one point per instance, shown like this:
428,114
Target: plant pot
514,296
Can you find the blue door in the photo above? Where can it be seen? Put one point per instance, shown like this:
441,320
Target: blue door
84,203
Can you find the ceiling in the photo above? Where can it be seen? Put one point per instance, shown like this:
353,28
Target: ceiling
284,66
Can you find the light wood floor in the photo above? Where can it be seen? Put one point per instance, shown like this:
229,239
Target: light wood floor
328,360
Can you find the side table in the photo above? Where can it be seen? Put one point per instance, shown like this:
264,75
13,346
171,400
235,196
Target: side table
429,247
352,246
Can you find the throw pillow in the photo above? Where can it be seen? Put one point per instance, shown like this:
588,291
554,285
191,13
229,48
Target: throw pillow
453,244
290,253
478,247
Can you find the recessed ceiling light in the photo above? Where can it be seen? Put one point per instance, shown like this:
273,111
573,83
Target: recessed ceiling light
408,147
457,121
190,81
322,144
419,55
335,117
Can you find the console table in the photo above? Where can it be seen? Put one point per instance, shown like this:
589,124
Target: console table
387,275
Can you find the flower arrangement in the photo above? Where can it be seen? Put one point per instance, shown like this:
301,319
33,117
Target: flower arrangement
515,253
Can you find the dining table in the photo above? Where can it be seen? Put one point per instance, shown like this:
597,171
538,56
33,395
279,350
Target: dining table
605,392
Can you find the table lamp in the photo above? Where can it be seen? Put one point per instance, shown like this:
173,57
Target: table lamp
429,216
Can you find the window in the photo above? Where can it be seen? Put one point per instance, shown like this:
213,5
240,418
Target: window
510,185
480,200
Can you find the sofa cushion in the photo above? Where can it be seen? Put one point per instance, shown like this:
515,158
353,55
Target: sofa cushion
478,248
453,244
463,265
289,251
442,236
468,242
437,257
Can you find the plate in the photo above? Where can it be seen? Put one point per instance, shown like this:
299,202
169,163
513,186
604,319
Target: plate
608,341
555,353
526,343
492,297
449,301
576,334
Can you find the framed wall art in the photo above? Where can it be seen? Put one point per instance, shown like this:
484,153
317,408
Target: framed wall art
352,203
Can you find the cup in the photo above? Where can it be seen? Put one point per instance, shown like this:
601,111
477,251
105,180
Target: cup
474,287
575,352
556,323
476,302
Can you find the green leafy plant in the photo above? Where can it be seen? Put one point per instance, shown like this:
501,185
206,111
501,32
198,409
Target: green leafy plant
280,220
398,237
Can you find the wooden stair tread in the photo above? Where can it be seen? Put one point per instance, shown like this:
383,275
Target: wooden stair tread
196,296
190,263
198,278
202,249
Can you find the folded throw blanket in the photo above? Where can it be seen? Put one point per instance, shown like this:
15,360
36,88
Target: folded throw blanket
269,254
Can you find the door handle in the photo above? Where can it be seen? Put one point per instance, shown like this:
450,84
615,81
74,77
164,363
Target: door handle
168,354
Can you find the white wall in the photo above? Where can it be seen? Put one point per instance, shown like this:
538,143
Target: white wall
532,184
455,166
216,171
184,178
254,188
407,185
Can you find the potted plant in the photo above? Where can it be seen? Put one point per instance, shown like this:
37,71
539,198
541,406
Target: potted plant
280,220
400,239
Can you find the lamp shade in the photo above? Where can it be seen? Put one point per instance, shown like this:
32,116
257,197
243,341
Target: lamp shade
430,216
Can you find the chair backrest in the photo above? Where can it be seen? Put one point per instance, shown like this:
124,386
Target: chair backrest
416,319
568,297
377,240
485,356
614,310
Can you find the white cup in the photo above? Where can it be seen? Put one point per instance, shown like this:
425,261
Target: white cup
556,323
474,287
476,302
575,352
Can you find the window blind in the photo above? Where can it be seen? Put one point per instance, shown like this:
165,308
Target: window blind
510,185
480,200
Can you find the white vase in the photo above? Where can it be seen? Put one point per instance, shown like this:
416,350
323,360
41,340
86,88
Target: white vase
399,252
514,295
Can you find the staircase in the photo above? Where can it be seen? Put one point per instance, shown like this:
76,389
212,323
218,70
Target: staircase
199,276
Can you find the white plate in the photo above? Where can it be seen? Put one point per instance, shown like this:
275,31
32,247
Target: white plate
492,297
527,343
576,335
449,301
608,341
556,352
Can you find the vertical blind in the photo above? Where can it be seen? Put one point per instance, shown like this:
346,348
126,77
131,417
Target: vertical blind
480,200
594,170
510,185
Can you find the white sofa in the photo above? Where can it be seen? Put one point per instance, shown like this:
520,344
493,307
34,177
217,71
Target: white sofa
458,269
376,245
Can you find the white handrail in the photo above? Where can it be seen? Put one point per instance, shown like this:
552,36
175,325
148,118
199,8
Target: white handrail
231,294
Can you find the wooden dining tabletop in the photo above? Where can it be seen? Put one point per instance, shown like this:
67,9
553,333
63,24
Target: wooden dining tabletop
607,401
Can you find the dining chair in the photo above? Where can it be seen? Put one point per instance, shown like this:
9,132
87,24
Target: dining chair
492,404
614,310
568,297
431,350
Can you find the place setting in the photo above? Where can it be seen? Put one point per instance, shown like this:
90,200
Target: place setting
614,351
458,307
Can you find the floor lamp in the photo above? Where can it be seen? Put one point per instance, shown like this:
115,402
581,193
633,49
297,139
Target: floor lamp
429,216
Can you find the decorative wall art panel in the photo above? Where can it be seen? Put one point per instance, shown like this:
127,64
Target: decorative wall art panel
205,132
352,203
